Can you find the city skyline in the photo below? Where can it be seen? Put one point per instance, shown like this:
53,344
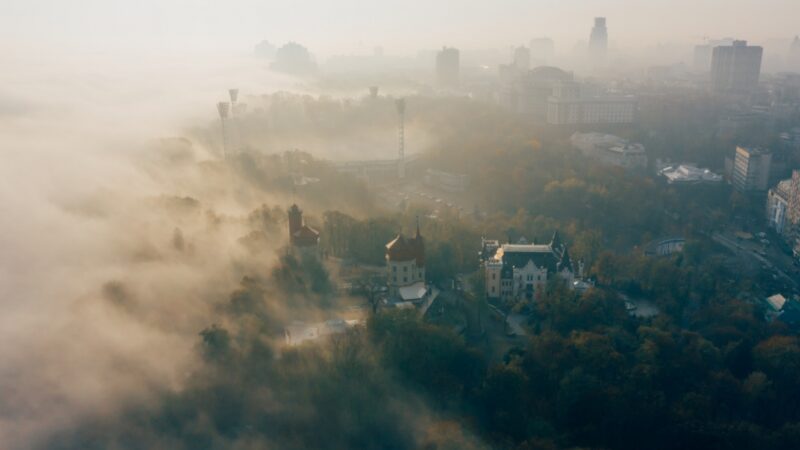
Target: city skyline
183,25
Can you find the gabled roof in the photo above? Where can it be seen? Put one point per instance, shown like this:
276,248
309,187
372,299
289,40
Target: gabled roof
305,236
402,248
553,256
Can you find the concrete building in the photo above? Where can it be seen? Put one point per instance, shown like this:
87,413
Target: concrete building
405,268
610,149
778,206
783,210
704,52
528,93
570,106
301,237
520,271
751,169
448,67
598,39
735,68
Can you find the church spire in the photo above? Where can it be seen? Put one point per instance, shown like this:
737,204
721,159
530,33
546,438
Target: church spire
555,241
417,226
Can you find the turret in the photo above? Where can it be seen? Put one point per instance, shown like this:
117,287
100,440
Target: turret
295,220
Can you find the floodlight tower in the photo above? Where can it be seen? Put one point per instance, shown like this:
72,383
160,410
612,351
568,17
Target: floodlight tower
233,129
234,93
401,150
223,109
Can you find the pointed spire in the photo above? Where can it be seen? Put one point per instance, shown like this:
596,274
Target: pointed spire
417,226
566,262
555,242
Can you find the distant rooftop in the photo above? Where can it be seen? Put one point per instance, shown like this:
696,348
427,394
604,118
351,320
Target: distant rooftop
689,174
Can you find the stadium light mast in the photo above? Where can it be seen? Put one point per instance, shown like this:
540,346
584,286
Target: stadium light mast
223,108
401,145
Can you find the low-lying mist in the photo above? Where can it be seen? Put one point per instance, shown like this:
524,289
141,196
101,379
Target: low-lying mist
117,246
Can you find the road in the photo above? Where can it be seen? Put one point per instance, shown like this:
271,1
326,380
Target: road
738,248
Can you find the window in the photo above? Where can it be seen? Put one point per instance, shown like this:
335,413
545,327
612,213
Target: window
492,289
405,268
494,275
405,279
394,268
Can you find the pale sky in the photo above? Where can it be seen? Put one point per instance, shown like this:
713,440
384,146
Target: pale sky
353,26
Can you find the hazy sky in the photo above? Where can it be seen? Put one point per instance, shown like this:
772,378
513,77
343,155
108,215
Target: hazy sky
400,26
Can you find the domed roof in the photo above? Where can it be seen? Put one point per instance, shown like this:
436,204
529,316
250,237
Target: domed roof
550,73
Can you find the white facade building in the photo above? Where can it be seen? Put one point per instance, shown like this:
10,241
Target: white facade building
405,268
521,271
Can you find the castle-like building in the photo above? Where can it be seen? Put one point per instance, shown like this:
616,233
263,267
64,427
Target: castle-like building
301,237
521,271
405,266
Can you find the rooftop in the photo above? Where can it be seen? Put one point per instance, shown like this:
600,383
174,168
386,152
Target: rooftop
689,174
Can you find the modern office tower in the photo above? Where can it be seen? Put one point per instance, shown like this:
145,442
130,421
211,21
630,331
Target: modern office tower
735,68
542,51
751,168
447,67
522,59
703,52
598,40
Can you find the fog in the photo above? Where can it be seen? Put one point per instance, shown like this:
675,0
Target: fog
100,296
351,26
123,234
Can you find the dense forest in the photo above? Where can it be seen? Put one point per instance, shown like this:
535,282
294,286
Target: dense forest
707,372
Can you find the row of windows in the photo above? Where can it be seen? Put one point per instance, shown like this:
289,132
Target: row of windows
396,278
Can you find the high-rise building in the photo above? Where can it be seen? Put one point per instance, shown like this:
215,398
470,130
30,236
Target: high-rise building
783,210
542,51
598,40
751,168
703,52
735,68
448,67
522,59
794,55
